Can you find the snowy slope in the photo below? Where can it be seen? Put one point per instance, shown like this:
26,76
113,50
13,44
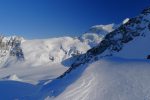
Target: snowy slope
106,79
43,59
110,80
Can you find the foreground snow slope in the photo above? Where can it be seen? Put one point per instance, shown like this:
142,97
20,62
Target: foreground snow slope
106,79
13,90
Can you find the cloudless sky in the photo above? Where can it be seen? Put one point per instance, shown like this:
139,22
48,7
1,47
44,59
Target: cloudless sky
55,18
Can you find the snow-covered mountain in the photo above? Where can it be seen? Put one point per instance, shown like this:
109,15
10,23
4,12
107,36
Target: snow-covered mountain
41,51
127,41
128,38
96,33
107,63
98,74
10,47
54,50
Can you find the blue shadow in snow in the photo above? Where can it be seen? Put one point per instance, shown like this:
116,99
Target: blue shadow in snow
57,86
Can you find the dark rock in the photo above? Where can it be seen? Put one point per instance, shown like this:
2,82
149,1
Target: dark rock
148,57
135,34
127,38
149,26
146,11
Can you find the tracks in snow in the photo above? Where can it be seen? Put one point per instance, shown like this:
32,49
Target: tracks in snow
81,92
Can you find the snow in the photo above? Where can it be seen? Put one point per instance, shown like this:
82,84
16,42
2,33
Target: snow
110,78
124,76
32,75
39,51
12,90
138,47
96,33
14,77
107,79
3,57
125,21
92,39
107,28
38,66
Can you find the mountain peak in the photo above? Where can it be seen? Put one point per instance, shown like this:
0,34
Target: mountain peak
101,29
127,41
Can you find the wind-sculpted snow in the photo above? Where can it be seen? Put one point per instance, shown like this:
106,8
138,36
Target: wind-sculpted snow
106,79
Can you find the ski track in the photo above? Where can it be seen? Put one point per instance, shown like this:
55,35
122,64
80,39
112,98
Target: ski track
82,91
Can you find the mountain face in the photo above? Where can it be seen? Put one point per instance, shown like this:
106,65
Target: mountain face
55,50
96,33
102,29
10,47
102,75
129,40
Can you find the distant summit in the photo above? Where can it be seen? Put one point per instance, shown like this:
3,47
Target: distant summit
102,29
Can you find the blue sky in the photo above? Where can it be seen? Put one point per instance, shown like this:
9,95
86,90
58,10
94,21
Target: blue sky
55,18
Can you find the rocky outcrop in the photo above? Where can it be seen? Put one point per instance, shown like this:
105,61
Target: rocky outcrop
12,45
